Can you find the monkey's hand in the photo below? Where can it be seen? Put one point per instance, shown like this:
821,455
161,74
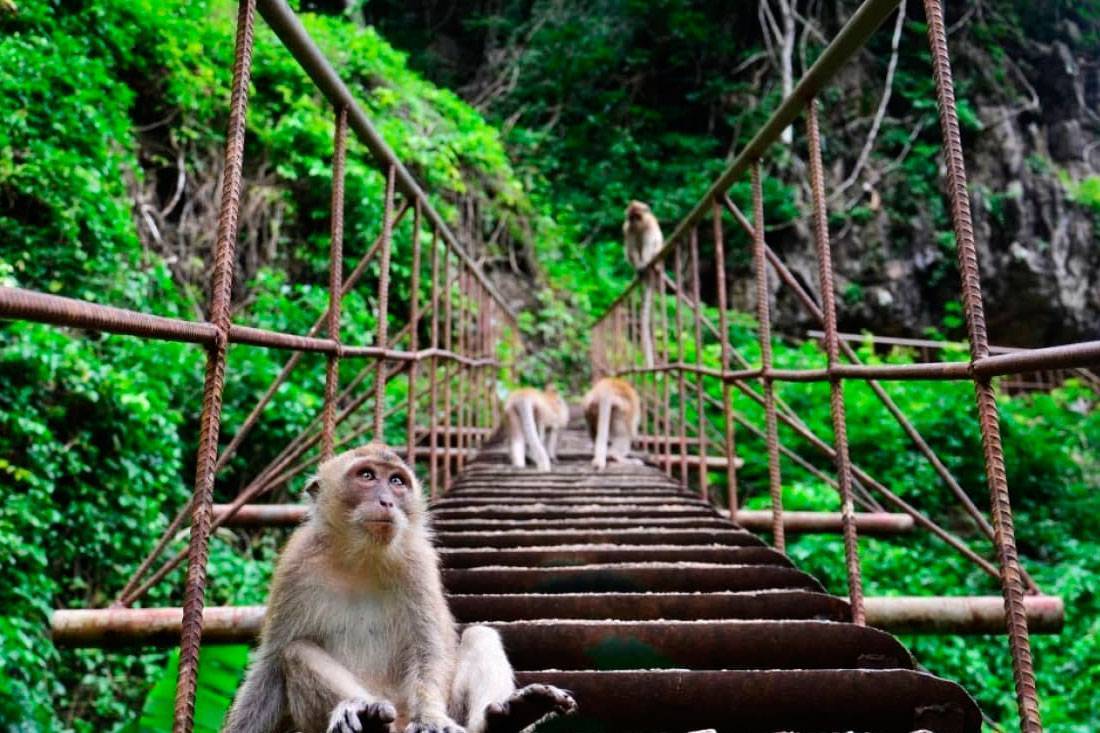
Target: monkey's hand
434,724
362,716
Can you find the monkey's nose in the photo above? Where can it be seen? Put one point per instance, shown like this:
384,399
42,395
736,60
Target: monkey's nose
387,503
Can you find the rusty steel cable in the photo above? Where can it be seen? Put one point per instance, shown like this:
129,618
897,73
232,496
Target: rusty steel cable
384,301
811,306
989,421
680,380
433,366
724,340
763,318
836,387
336,265
214,383
414,336
700,387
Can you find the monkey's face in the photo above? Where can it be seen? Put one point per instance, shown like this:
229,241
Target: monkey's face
374,492
636,213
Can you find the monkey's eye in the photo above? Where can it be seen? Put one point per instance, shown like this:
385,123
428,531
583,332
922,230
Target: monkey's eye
367,473
396,480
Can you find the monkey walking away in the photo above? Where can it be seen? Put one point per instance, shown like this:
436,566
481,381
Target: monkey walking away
613,412
534,420
358,637
642,239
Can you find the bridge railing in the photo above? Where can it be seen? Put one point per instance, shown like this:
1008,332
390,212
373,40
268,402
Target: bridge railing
447,351
677,372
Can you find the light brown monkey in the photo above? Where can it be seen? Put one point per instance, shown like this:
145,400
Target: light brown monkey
642,236
642,239
613,412
535,419
358,637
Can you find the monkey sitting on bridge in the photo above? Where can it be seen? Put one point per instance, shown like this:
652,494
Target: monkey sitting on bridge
358,637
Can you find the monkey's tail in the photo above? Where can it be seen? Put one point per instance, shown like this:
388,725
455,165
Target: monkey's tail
531,434
603,426
260,705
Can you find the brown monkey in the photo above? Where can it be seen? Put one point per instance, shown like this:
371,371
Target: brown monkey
535,419
642,239
358,637
613,412
642,236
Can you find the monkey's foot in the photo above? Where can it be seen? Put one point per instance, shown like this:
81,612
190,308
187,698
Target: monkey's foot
360,716
526,707
625,460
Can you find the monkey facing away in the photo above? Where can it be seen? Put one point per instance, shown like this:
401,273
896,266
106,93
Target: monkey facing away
358,637
613,412
642,239
534,420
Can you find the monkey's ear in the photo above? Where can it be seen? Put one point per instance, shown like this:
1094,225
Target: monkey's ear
313,486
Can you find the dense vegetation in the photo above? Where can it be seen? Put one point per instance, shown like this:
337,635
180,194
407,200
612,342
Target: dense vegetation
103,103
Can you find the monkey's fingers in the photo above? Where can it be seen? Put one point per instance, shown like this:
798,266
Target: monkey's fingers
527,706
378,717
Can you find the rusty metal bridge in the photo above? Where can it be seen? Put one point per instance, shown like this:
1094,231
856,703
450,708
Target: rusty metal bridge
643,588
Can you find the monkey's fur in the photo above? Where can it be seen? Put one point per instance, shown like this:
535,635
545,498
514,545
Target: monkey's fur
358,636
642,240
534,420
613,412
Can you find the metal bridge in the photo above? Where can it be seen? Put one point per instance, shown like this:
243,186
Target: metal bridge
657,606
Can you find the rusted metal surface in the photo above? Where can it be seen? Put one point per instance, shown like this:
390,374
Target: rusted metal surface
763,318
335,278
742,701
194,590
627,578
1011,580
568,555
832,352
699,645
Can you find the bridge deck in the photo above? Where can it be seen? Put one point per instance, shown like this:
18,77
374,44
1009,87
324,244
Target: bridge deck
662,615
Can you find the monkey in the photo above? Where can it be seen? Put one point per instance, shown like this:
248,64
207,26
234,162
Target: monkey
358,637
642,236
642,239
613,412
535,419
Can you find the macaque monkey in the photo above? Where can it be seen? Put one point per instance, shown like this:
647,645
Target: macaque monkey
358,637
613,412
535,419
642,239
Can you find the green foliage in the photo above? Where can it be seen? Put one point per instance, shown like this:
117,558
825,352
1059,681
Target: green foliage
1085,192
97,433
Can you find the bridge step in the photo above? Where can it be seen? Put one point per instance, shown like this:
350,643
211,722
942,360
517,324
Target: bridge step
725,644
647,536
767,604
567,555
761,701
657,577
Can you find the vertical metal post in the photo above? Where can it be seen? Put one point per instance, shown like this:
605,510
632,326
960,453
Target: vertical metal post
384,305
448,312
462,370
433,387
210,422
681,393
666,351
1004,531
335,280
836,385
414,336
724,338
700,387
763,317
